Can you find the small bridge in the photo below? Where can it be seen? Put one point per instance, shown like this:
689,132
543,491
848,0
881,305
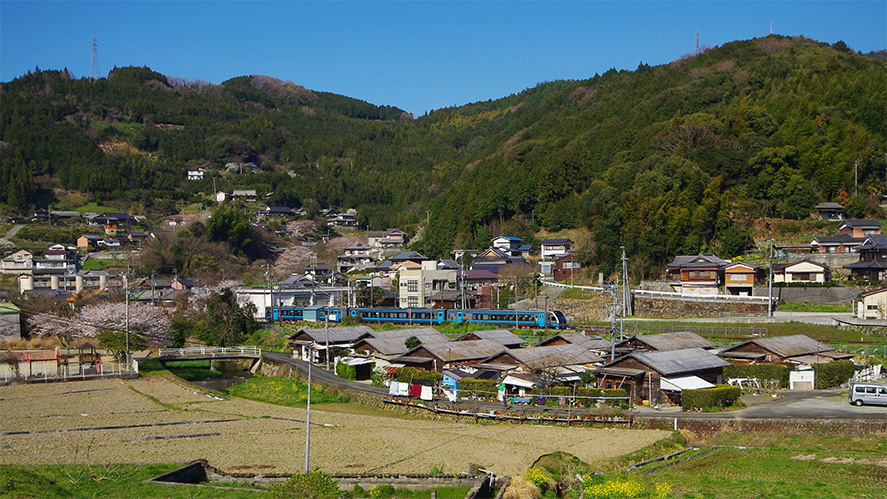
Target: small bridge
209,353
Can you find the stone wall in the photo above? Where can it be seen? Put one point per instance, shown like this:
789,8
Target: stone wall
647,307
813,294
597,308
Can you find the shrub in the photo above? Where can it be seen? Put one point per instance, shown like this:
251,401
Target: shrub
834,373
760,371
346,371
720,396
418,376
313,485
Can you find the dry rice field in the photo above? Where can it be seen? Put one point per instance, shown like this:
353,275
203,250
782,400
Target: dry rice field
161,421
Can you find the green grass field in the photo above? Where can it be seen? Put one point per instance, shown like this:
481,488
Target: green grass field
748,466
283,391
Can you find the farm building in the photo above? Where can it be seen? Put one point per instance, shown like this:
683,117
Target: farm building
649,375
794,349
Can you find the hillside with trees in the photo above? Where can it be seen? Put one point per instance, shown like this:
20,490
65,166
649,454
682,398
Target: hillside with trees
671,159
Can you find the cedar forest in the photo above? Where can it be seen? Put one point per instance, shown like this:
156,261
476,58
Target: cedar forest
665,160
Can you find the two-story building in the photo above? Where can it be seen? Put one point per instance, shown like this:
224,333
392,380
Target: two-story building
740,278
419,285
700,274
512,246
872,264
18,262
384,243
552,249
859,227
356,256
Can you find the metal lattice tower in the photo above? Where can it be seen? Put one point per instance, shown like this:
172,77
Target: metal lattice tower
695,46
94,68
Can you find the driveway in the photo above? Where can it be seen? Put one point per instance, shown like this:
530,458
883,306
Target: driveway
817,404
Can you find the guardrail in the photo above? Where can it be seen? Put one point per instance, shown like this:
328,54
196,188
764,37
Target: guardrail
671,295
182,352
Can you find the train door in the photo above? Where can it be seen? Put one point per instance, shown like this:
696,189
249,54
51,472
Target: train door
440,317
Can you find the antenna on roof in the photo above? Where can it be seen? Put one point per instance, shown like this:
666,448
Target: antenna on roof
94,67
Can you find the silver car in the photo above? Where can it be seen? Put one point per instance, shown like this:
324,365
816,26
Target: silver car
868,393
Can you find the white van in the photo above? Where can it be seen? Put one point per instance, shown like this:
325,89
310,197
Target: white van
868,393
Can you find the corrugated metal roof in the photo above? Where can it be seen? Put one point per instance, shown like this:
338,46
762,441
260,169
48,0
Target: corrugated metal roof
395,345
345,334
790,346
673,362
674,341
554,356
501,336
418,332
454,351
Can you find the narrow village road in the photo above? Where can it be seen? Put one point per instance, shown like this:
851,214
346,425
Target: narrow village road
819,404
7,239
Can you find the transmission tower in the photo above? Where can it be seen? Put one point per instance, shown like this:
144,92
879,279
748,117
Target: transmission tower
696,45
94,68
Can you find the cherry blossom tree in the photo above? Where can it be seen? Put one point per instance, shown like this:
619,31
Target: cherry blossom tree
301,228
291,261
63,326
144,320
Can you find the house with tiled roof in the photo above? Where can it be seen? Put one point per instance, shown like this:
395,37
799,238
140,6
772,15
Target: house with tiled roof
701,274
872,263
802,271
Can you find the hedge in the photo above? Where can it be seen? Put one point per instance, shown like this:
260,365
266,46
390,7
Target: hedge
346,371
760,371
720,396
833,373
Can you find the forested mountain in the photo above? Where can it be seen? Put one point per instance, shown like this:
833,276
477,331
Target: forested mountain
665,160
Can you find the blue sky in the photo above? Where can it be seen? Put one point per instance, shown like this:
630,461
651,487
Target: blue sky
414,55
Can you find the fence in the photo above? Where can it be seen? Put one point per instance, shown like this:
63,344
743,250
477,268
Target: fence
48,377
195,351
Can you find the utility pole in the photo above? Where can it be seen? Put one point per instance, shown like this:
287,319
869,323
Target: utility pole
856,178
612,289
770,284
308,417
126,294
626,292
327,328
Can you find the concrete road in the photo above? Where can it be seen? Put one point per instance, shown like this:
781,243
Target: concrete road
818,404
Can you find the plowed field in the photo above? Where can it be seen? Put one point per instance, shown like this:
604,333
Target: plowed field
158,420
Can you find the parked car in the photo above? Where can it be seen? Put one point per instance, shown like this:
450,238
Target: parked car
868,393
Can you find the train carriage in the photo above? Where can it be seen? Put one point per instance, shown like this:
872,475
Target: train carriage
424,316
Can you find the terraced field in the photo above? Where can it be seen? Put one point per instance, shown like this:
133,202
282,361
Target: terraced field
160,420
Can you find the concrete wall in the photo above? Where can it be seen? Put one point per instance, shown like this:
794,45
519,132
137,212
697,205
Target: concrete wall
812,294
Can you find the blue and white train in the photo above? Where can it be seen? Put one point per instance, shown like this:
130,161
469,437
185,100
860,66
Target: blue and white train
554,319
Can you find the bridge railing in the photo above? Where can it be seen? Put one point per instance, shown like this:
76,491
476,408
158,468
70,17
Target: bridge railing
191,351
